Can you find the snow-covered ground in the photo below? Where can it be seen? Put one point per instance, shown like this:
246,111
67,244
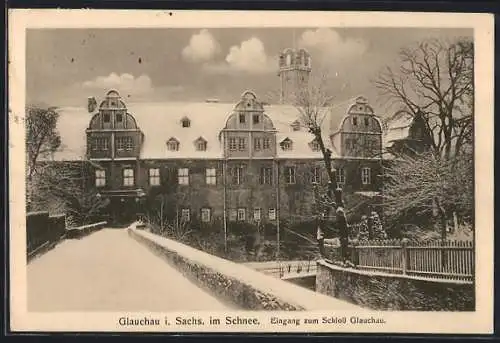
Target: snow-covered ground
110,271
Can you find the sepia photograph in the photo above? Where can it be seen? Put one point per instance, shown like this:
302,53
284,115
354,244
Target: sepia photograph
238,177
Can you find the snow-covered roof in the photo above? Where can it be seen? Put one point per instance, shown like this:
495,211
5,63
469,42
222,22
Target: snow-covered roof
398,128
161,121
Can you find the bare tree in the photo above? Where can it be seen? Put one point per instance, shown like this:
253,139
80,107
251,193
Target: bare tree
42,137
314,103
435,79
435,82
428,185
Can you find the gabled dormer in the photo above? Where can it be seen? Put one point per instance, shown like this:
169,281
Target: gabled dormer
112,132
173,144
286,144
360,131
200,144
248,132
314,145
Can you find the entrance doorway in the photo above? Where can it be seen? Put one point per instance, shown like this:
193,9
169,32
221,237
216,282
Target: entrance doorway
124,210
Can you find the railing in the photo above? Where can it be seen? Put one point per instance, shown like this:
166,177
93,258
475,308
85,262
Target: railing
453,260
299,268
284,269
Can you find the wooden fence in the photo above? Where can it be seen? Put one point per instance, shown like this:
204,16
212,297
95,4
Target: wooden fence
453,260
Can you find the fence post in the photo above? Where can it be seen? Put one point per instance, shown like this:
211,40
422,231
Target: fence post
354,252
404,255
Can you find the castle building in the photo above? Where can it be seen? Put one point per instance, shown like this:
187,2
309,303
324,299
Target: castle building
214,161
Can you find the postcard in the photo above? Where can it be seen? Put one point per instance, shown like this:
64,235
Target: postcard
250,171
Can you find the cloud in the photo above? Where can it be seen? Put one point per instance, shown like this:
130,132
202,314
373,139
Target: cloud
202,47
248,57
331,46
123,83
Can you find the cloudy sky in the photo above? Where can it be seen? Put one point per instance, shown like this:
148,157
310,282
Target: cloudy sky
65,66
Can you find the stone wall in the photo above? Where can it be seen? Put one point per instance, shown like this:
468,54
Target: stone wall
41,230
382,291
235,283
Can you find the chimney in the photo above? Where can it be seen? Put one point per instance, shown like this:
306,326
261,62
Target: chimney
91,104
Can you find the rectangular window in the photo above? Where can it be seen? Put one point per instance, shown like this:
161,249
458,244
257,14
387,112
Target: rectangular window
100,144
341,175
237,175
367,121
286,145
242,144
128,177
201,146
272,214
354,121
242,119
290,175
316,175
255,118
256,214
154,176
124,143
266,176
315,146
107,117
183,176
185,215
205,215
232,144
257,143
266,143
233,214
211,176
366,176
100,178
119,117
241,214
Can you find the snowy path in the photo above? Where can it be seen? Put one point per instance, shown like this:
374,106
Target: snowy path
109,271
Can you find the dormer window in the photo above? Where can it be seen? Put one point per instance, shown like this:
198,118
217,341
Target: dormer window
185,122
173,144
201,144
367,121
242,118
286,144
119,117
355,121
314,145
106,117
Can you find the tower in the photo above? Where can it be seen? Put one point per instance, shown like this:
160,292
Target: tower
294,70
